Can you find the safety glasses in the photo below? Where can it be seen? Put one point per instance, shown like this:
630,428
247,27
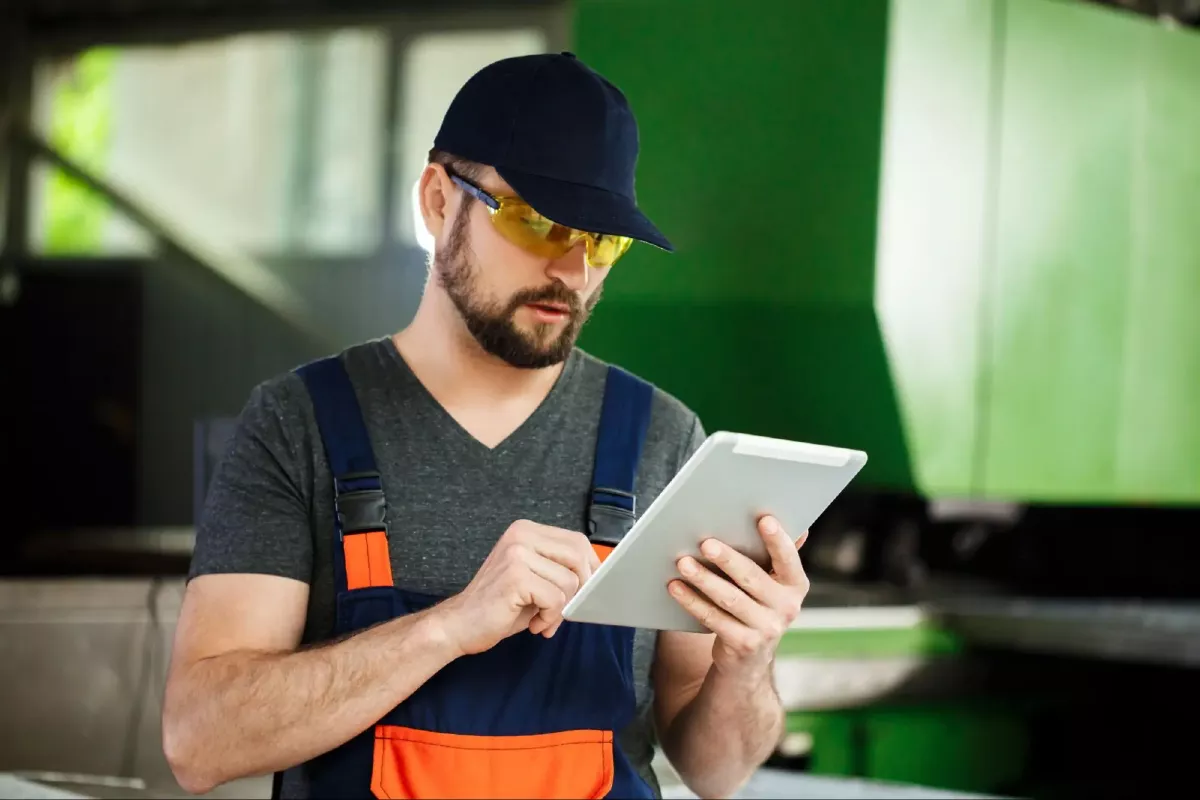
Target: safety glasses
520,224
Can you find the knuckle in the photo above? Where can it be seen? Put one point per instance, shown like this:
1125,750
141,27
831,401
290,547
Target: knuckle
791,609
750,642
774,630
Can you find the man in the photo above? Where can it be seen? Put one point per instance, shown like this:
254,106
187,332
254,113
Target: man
411,644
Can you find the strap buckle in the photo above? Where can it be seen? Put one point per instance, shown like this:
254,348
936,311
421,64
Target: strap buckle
608,522
360,509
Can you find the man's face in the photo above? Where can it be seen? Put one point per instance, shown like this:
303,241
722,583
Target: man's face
520,307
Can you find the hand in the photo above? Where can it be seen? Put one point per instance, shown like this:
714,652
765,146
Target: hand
747,608
523,584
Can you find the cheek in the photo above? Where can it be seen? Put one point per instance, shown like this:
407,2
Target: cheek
596,278
509,262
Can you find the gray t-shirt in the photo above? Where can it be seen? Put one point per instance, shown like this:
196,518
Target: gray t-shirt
269,506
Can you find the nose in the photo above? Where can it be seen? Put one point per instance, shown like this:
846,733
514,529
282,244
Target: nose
571,269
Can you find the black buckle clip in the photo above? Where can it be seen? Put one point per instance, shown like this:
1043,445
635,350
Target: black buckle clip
360,510
607,524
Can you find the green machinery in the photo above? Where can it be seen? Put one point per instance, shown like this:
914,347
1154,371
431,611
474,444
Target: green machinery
958,235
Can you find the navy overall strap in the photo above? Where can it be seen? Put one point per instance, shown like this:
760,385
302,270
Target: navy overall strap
624,420
360,551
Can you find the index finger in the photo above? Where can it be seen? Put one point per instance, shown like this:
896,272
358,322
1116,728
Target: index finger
785,554
569,548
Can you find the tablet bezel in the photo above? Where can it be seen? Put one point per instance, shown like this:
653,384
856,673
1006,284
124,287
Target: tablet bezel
623,571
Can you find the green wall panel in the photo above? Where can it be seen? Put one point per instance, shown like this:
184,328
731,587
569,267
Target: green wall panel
1062,251
1091,381
760,127
1158,451
932,223
956,235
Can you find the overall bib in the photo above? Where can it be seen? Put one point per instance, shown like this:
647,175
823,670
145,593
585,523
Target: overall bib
532,717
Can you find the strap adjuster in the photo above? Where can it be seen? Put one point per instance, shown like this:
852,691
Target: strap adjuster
608,522
360,509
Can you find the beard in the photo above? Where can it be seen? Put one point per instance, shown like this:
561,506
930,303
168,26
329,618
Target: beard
493,324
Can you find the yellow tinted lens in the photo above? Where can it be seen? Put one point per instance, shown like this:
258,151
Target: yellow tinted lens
524,227
518,222
604,249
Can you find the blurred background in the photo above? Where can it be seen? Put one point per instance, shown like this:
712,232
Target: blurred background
958,234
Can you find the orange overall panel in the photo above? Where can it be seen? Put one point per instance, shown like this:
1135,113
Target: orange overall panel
411,763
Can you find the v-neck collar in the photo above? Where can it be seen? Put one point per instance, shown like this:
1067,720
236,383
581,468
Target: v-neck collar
570,367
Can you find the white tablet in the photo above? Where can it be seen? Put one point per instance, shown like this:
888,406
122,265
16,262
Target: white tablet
721,492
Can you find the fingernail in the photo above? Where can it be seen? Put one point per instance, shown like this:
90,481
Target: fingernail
675,588
687,566
710,549
770,525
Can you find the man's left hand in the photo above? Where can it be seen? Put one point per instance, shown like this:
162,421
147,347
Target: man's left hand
748,608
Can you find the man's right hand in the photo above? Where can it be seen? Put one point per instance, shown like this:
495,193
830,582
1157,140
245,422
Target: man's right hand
524,583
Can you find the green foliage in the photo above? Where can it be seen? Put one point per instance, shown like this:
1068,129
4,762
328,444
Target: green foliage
80,128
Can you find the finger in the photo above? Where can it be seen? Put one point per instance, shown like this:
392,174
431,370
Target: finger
800,541
750,577
546,629
565,579
571,539
724,594
537,591
707,614
571,550
785,554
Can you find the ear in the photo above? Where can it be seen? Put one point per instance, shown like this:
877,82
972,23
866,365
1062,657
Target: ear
435,199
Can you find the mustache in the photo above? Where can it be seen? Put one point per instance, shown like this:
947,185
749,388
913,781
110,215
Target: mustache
554,293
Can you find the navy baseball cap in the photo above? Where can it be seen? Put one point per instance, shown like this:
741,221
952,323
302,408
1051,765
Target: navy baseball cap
560,134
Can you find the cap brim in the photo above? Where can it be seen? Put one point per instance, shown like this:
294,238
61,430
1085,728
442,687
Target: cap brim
585,208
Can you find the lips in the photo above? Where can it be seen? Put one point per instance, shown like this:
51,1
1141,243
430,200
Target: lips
549,313
553,308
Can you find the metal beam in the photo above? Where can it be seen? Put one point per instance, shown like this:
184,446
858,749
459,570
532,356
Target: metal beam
93,24
252,279
16,100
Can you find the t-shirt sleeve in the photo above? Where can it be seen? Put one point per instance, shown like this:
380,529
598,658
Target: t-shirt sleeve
692,442
693,437
255,517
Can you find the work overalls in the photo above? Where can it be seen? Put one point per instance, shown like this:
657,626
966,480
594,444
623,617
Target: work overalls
532,717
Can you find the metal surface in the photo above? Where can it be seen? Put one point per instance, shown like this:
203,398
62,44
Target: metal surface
13,787
775,783
1166,634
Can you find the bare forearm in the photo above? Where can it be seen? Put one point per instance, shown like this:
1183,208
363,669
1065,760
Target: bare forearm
251,713
724,734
